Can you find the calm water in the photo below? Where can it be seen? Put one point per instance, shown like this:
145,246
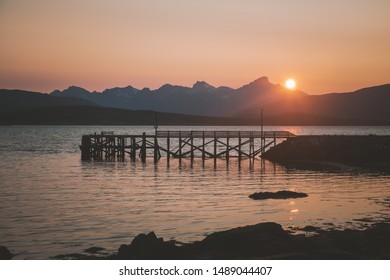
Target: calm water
53,203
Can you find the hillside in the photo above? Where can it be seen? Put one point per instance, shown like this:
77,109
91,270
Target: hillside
369,104
89,115
202,104
14,100
93,115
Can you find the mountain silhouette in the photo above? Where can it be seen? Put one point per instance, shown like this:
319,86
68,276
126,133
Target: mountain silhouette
14,100
369,103
367,106
200,99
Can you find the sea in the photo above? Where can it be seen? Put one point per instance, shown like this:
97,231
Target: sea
52,203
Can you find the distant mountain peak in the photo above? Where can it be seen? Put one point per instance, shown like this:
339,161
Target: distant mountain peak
202,85
261,81
166,87
76,88
121,90
71,91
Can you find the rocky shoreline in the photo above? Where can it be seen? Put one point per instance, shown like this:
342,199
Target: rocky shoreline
260,241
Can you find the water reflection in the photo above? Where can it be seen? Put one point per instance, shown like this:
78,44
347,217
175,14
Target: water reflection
54,203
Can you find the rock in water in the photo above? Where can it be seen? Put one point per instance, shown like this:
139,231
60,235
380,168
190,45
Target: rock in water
277,195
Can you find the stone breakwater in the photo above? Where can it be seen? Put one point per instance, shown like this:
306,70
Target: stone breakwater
360,150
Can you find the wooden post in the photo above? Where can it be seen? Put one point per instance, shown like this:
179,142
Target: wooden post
274,139
143,148
85,148
155,146
239,146
215,149
203,147
227,148
117,147
133,149
215,144
179,146
251,148
168,147
101,148
192,146
121,148
98,148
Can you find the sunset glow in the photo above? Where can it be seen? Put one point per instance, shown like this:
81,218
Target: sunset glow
105,44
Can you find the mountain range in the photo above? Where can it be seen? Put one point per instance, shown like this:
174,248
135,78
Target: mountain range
200,99
200,104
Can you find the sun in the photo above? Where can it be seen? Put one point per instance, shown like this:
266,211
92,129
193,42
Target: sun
290,84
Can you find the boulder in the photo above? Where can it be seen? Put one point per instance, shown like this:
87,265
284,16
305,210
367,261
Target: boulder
94,250
245,242
5,254
147,246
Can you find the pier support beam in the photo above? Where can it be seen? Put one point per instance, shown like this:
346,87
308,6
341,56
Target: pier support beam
203,147
156,150
239,146
143,148
133,151
215,149
85,148
227,148
192,147
168,147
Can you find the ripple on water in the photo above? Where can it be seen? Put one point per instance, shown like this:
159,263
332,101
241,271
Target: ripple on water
52,203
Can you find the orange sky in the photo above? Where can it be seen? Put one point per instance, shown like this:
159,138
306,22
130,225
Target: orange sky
327,46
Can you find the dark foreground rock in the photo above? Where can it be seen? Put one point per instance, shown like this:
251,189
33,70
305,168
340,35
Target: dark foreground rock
5,254
267,241
148,246
263,241
94,250
277,195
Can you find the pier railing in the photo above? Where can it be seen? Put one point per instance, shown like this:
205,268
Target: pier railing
224,134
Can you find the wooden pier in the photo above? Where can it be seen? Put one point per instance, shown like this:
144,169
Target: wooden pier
179,144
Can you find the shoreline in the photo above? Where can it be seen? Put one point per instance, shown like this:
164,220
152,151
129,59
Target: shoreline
266,240
260,241
306,242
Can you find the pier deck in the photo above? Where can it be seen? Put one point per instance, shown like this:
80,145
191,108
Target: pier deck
179,144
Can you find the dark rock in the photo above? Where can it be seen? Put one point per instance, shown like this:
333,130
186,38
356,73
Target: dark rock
366,151
73,257
261,241
93,250
256,240
5,254
376,240
147,246
310,228
277,195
